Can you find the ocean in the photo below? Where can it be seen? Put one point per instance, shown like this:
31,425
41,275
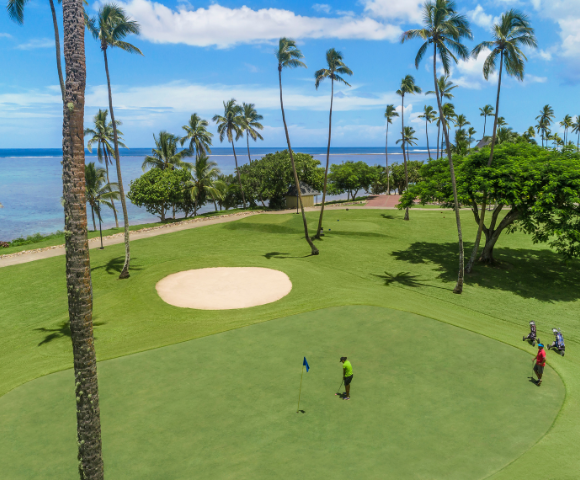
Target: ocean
31,182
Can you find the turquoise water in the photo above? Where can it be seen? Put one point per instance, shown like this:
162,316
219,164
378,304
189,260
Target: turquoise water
31,183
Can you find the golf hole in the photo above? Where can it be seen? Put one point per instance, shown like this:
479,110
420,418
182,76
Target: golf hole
224,288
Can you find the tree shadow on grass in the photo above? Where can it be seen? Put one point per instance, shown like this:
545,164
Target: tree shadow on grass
62,331
405,279
539,274
115,265
389,216
286,230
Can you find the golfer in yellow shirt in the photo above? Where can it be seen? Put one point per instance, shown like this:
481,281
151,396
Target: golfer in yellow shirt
347,374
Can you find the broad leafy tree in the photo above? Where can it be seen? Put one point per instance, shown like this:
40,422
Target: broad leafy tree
110,27
352,177
289,56
78,264
252,124
509,35
335,70
429,115
197,135
390,113
444,29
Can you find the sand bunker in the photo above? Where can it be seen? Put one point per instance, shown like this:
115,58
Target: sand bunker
224,288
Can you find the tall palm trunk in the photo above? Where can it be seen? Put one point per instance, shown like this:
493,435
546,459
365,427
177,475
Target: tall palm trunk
125,271
482,215
109,182
427,134
404,155
93,215
484,124
248,140
78,268
387,160
327,159
459,286
57,48
313,248
238,172
438,137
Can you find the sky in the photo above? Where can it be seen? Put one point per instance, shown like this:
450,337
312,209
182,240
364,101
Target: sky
196,55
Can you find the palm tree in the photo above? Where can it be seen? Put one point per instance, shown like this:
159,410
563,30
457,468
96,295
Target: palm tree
461,122
78,264
512,32
408,138
336,68
566,124
529,134
231,125
444,28
204,182
251,123
165,155
576,129
429,114
449,117
471,132
99,191
501,122
198,136
545,120
407,86
445,87
110,27
16,12
390,113
557,140
485,112
102,135
289,56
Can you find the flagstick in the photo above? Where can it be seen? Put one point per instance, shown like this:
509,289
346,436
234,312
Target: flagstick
300,392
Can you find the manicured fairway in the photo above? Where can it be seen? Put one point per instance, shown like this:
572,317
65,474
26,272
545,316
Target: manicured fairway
429,401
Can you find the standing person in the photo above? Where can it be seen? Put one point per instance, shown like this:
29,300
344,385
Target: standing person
347,374
540,364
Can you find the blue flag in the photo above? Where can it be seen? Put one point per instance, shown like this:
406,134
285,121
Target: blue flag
305,363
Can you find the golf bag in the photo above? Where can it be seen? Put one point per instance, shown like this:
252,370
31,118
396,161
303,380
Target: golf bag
559,342
532,338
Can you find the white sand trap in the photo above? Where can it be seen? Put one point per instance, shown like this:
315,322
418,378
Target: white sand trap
224,288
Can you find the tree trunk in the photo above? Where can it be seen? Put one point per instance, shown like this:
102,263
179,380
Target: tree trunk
484,124
482,216
78,268
238,172
109,181
404,155
438,137
387,159
459,286
93,215
313,248
57,48
327,159
427,134
248,140
125,271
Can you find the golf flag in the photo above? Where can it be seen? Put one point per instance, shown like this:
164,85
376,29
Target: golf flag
305,363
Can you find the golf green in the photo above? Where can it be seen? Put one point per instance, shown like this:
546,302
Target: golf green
429,401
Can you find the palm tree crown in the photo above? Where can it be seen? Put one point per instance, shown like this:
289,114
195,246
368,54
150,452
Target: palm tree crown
111,26
204,182
165,155
102,135
429,114
445,87
408,86
251,123
336,67
231,123
390,113
461,121
288,54
98,190
198,136
408,136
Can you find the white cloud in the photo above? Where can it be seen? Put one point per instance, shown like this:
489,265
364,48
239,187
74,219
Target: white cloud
223,27
529,78
570,34
470,72
36,43
480,18
5,35
322,7
409,10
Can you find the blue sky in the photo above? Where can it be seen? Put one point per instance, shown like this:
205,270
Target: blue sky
198,54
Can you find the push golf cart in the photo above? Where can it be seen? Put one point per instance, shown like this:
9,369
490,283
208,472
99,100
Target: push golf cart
532,338
558,344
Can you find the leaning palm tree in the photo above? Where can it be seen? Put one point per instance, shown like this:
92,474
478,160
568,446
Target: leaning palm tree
407,86
485,112
511,33
576,129
110,27
544,121
16,12
198,136
336,68
251,124
165,155
390,113
429,114
99,191
444,28
102,135
205,182
566,124
231,126
289,56
445,87
78,264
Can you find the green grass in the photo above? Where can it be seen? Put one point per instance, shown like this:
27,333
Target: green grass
336,202
370,257
415,411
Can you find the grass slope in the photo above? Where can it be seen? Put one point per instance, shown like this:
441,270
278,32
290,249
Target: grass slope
423,405
370,257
